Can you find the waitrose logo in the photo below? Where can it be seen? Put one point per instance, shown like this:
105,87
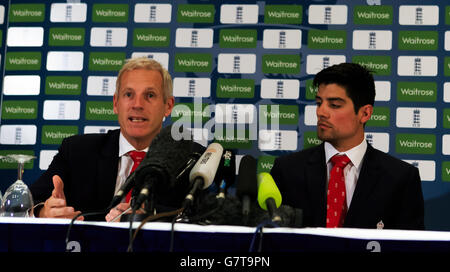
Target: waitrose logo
110,13
380,65
416,91
64,85
281,114
100,110
185,62
27,13
55,134
372,15
418,40
195,13
281,64
66,37
265,163
238,88
7,163
446,170
327,39
102,61
310,139
415,143
159,37
13,109
283,14
23,61
238,38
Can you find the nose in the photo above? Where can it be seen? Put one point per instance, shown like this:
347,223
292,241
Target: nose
138,102
321,111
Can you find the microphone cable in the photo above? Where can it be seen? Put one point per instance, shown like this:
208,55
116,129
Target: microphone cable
197,218
146,220
72,222
259,229
130,231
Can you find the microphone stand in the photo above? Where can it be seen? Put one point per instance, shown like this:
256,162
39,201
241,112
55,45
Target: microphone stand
271,207
148,210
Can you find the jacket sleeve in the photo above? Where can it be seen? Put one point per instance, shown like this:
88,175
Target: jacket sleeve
42,188
411,203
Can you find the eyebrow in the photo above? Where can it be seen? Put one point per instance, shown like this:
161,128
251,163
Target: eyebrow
332,99
148,89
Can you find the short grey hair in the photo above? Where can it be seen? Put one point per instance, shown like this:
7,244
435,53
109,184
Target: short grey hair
147,64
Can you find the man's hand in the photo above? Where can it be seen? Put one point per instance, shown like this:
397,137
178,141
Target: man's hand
114,212
56,206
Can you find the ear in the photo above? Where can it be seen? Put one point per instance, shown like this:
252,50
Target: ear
115,104
169,106
365,112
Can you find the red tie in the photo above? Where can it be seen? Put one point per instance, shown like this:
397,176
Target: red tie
137,157
336,201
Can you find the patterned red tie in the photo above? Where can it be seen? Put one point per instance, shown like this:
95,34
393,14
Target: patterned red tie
137,157
336,199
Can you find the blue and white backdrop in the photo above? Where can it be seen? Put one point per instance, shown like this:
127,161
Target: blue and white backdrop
242,75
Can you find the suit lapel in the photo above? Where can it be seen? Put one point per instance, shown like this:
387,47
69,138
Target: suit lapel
317,180
108,167
368,178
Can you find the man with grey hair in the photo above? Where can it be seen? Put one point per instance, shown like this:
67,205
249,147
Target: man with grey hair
88,169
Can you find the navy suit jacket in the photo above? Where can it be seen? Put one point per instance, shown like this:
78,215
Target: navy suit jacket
88,166
387,190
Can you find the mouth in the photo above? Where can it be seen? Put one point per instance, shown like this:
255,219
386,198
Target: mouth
135,119
322,125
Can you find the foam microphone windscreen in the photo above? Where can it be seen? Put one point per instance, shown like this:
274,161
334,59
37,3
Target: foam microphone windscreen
229,213
267,189
162,161
247,184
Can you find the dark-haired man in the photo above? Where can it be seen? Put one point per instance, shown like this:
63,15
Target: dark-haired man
345,182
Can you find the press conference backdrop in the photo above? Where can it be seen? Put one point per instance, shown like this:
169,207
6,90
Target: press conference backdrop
242,75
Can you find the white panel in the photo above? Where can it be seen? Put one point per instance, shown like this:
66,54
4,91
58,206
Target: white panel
68,13
18,134
236,63
61,110
64,61
22,85
25,36
153,13
194,37
109,37
239,14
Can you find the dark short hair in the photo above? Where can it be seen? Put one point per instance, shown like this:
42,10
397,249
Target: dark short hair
354,78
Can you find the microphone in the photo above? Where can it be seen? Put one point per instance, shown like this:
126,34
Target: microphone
247,186
204,171
226,173
124,189
269,197
157,170
188,165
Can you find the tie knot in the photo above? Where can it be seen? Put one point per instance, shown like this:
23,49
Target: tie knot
137,156
340,160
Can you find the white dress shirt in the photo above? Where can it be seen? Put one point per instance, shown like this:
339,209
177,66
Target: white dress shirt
125,161
352,170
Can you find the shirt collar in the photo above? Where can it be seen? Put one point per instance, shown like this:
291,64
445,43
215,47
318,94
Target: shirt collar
355,154
125,146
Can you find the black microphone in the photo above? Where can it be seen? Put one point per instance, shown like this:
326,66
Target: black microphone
226,173
157,171
186,168
247,185
124,189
